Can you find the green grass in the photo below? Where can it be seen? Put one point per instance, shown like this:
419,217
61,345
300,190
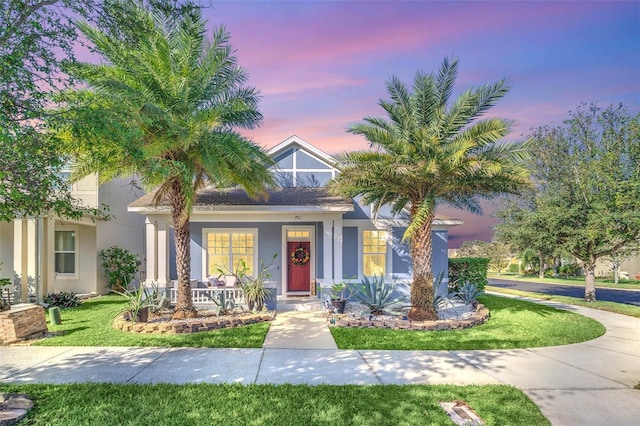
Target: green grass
208,404
513,324
577,281
618,308
90,325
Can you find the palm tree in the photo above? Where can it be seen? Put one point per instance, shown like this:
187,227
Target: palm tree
164,106
429,152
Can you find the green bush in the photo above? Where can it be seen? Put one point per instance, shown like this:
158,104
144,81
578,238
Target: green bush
514,268
120,267
569,269
468,269
63,299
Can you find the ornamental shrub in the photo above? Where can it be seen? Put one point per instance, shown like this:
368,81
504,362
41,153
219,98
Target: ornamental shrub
468,269
63,299
120,267
514,268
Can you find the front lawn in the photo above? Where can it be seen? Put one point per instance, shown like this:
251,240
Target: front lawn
513,324
618,308
209,404
90,325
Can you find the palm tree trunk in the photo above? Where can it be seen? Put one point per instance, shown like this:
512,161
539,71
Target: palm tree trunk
422,288
182,236
590,280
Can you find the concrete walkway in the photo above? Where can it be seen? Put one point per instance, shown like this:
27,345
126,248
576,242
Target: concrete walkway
299,330
589,383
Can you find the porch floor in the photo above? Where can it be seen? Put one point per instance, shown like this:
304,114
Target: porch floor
298,303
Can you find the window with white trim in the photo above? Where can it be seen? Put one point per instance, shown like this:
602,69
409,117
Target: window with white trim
226,250
374,252
65,252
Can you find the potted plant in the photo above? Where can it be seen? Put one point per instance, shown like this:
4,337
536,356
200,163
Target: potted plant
339,296
253,287
140,301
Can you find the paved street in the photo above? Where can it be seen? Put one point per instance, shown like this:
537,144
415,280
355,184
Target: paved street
630,297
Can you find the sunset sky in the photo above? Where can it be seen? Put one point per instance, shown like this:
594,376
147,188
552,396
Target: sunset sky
322,65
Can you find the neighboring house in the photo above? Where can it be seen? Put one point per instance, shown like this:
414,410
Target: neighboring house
335,238
48,254
629,268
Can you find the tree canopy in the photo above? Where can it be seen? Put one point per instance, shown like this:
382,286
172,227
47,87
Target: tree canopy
37,38
164,105
587,172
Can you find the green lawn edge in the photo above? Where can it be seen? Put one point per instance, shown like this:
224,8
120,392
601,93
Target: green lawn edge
199,404
513,324
618,308
90,324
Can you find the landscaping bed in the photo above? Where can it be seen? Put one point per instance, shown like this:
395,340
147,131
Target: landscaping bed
91,324
469,318
163,324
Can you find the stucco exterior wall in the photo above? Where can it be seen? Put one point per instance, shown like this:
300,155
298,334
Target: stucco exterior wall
84,281
6,250
124,229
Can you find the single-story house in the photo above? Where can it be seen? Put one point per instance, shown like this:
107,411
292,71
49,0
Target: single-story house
318,237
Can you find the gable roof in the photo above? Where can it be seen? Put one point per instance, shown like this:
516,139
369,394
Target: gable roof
305,146
285,199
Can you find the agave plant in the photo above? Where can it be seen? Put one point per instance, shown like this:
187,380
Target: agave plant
377,295
444,300
469,293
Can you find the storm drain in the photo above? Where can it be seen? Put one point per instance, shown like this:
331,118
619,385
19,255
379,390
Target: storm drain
461,413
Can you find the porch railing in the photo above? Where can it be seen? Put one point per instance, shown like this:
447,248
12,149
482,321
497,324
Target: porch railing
212,295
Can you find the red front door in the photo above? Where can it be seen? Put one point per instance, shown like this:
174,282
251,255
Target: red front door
299,271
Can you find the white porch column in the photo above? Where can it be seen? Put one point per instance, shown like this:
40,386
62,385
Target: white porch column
163,253
48,254
337,250
327,250
151,249
20,256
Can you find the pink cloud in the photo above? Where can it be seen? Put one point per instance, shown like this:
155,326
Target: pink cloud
287,86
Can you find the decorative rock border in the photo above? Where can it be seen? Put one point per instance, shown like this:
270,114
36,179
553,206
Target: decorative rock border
191,325
13,407
22,322
479,316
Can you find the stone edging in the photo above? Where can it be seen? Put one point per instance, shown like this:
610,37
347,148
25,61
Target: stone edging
189,326
479,316
13,407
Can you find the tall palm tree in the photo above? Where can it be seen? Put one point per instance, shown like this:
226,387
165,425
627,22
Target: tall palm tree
164,106
431,151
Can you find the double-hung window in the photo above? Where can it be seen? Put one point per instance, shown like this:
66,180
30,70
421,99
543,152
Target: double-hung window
65,252
227,250
374,253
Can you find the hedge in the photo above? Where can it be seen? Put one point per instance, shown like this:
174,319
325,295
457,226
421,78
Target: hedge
471,269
